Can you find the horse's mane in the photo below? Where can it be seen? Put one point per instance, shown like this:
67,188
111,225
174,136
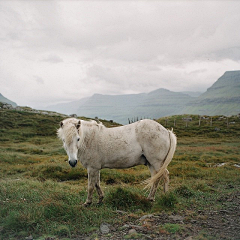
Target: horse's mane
92,123
69,129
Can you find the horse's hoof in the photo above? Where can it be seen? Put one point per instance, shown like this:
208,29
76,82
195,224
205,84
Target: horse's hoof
87,204
151,199
100,201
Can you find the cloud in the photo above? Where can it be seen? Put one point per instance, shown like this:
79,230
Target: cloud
66,50
38,80
52,59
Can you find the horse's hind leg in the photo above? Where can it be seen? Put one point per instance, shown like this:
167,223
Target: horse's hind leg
165,180
93,181
153,190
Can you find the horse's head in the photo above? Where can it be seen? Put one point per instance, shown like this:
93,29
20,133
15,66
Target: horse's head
69,133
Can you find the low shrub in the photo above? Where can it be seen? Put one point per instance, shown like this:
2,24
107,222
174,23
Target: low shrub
125,199
63,231
167,200
171,227
58,172
184,191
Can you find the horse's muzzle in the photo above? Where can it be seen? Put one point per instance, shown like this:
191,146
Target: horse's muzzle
72,163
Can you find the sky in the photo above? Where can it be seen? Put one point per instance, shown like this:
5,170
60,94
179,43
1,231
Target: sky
60,51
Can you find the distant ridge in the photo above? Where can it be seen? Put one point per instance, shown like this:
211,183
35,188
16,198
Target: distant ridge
222,98
120,108
6,100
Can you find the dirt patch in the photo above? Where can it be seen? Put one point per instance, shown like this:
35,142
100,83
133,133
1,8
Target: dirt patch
188,225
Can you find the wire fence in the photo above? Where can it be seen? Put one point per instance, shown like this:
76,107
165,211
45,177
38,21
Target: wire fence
195,121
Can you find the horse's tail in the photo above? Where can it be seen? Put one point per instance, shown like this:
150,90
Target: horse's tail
172,148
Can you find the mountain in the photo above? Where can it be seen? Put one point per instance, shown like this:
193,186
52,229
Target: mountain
192,94
67,108
160,103
5,100
119,108
222,98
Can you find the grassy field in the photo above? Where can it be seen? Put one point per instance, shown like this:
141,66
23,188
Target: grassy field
41,196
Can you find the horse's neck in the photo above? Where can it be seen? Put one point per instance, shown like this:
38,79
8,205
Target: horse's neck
88,134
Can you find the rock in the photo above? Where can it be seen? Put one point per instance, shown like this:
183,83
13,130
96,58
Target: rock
7,106
29,237
176,217
132,232
121,212
104,228
236,165
73,115
146,216
137,227
125,226
18,108
189,238
220,164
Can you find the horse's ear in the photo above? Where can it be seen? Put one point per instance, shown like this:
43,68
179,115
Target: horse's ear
61,124
78,124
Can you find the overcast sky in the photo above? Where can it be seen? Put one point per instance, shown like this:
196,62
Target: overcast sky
56,51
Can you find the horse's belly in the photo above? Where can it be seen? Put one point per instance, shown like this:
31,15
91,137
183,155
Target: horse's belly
125,162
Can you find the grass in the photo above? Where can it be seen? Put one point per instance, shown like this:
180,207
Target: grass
40,207
125,199
40,195
171,228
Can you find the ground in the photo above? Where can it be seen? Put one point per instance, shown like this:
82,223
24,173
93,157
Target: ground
41,196
208,224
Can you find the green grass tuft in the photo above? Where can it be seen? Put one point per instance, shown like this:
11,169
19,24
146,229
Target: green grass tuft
125,199
166,201
172,228
184,191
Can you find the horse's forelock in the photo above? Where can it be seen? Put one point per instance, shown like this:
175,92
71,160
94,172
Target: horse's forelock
68,132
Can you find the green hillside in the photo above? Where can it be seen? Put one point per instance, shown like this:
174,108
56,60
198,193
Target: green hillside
223,97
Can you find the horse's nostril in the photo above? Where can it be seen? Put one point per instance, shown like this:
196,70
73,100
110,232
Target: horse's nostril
73,163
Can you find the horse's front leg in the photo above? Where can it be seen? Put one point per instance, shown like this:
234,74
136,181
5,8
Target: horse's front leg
99,190
93,181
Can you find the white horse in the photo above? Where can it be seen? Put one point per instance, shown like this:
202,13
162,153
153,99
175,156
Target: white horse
145,142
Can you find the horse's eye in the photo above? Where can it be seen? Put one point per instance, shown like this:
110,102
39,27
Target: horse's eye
78,139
